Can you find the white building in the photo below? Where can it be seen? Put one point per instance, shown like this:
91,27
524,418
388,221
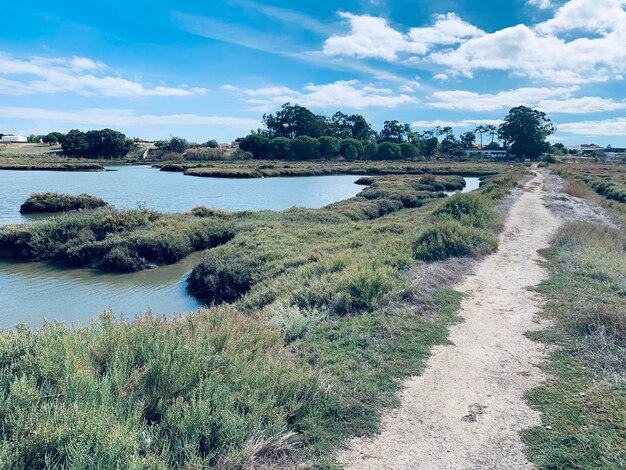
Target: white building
8,139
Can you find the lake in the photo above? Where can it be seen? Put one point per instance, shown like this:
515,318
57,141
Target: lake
32,292
130,186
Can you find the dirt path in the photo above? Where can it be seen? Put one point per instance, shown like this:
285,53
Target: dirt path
467,409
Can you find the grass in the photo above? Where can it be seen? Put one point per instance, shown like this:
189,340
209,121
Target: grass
584,404
608,180
313,327
270,168
55,202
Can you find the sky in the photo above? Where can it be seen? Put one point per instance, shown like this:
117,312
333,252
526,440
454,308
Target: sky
210,69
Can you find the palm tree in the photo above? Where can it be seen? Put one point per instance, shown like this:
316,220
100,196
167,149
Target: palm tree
480,130
492,131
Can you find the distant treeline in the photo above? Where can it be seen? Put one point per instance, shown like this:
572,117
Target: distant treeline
90,144
296,133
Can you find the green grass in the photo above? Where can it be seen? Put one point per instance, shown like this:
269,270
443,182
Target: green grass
584,404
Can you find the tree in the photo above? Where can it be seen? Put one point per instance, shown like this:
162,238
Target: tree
467,140
389,151
175,144
345,126
408,151
430,144
491,131
480,130
293,121
257,144
212,144
351,149
96,144
74,144
394,131
525,131
329,147
305,148
370,151
279,148
51,138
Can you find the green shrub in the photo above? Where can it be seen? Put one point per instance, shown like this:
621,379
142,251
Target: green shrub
469,209
450,238
367,287
220,278
55,202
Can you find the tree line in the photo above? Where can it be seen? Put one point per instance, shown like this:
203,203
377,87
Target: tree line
295,132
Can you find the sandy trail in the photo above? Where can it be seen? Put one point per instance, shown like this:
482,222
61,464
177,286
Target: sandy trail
467,409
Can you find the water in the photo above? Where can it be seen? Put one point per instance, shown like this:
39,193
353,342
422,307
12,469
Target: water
32,292
130,186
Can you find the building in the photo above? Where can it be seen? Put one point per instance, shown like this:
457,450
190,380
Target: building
10,139
486,153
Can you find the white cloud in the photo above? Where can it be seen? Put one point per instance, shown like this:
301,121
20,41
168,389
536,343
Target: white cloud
80,75
607,127
440,76
586,15
541,53
541,4
122,117
583,42
549,100
373,37
467,100
350,94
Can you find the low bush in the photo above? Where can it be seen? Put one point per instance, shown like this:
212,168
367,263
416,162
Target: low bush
220,279
469,209
448,239
367,287
55,202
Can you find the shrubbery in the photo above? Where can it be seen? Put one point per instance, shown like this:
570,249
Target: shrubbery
115,240
449,239
55,202
468,209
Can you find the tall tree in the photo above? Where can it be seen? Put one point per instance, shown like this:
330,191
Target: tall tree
394,131
492,131
292,121
467,140
525,130
480,130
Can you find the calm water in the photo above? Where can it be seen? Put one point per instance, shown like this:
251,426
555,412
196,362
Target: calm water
32,292
130,186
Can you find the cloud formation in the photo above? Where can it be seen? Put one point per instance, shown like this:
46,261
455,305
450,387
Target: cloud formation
583,42
373,37
122,117
80,75
350,94
547,99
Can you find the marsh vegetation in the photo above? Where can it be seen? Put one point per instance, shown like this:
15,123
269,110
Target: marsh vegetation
318,325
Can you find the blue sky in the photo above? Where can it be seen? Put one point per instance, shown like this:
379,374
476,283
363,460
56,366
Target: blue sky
210,69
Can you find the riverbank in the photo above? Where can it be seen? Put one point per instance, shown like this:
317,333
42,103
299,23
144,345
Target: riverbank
323,321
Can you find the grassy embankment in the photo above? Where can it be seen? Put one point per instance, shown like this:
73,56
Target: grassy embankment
322,326
584,405
270,168
608,180
55,202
